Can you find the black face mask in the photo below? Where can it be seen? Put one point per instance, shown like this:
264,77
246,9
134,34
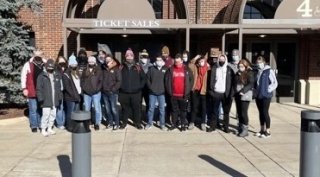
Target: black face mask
63,65
221,63
50,70
92,66
74,68
38,62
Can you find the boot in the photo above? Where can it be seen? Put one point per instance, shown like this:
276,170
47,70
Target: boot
244,131
239,128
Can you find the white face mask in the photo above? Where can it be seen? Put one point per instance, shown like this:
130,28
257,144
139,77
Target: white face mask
201,63
261,65
144,60
185,59
241,69
159,63
235,58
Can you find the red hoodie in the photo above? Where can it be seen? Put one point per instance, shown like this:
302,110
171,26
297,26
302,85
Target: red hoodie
178,81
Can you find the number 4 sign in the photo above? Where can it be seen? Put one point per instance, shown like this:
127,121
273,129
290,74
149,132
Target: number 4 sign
306,9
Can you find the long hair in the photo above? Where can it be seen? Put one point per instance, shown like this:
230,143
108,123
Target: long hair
244,76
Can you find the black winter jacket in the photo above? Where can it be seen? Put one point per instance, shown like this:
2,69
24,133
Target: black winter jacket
133,78
230,90
91,82
70,92
111,80
44,90
155,80
188,81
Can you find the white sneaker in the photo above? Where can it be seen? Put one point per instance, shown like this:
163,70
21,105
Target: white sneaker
62,127
51,132
44,133
259,133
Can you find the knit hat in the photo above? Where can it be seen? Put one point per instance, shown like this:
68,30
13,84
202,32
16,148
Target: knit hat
165,49
144,53
129,52
72,60
50,64
92,59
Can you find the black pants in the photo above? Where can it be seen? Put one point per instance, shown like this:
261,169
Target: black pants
263,107
179,109
130,102
242,110
198,101
218,98
168,108
145,96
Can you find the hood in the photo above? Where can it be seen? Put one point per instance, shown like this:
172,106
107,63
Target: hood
266,67
225,63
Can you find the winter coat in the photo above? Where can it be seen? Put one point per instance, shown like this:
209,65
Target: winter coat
28,78
70,92
248,86
155,80
111,79
195,71
44,90
266,83
133,78
229,91
188,81
91,83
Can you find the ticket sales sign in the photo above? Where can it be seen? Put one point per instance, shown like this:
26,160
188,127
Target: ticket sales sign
113,23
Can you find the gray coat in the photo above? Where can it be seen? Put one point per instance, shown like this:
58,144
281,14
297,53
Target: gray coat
44,90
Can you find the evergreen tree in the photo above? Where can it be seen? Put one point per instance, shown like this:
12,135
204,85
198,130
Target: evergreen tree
14,48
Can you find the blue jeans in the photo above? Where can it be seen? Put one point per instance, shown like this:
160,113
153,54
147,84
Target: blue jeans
152,105
110,102
34,113
60,117
96,98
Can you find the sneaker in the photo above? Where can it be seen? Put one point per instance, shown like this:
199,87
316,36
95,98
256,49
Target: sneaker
96,127
211,129
51,132
258,133
123,126
147,127
62,127
172,128
203,127
34,130
164,128
139,127
191,126
109,127
226,129
116,127
265,135
44,133
183,128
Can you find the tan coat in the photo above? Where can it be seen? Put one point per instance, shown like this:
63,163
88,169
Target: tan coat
195,71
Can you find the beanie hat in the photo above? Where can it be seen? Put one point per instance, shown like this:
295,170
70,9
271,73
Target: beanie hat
165,49
129,52
50,64
92,59
72,60
144,53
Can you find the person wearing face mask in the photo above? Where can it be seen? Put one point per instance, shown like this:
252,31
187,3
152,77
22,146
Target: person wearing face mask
71,90
221,90
266,84
155,84
82,60
102,55
133,81
145,64
29,74
235,60
185,57
91,84
244,82
178,84
199,91
62,66
49,95
110,88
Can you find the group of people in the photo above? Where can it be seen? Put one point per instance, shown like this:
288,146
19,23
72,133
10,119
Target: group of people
187,92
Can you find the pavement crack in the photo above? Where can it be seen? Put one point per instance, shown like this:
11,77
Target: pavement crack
122,152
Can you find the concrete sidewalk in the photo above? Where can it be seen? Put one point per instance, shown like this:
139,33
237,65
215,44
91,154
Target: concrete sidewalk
134,153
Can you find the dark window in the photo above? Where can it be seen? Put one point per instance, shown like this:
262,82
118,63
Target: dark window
157,7
251,12
32,39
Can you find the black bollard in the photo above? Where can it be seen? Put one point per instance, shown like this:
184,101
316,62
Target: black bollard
81,144
310,144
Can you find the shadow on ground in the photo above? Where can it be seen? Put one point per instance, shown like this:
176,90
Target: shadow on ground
223,167
64,165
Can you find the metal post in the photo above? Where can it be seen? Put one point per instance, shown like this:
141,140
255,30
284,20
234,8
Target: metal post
240,41
223,43
78,42
65,42
310,144
81,144
188,39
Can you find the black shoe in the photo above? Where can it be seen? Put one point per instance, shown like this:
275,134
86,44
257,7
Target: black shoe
116,127
109,126
172,128
123,126
211,129
183,128
226,129
96,127
139,127
34,130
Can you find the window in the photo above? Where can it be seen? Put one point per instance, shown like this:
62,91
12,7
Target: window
157,7
251,12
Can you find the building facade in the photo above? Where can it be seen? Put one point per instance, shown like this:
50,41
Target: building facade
285,32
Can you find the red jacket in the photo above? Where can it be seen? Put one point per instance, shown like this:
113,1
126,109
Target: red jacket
28,80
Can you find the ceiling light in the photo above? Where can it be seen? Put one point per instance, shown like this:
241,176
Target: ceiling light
262,35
